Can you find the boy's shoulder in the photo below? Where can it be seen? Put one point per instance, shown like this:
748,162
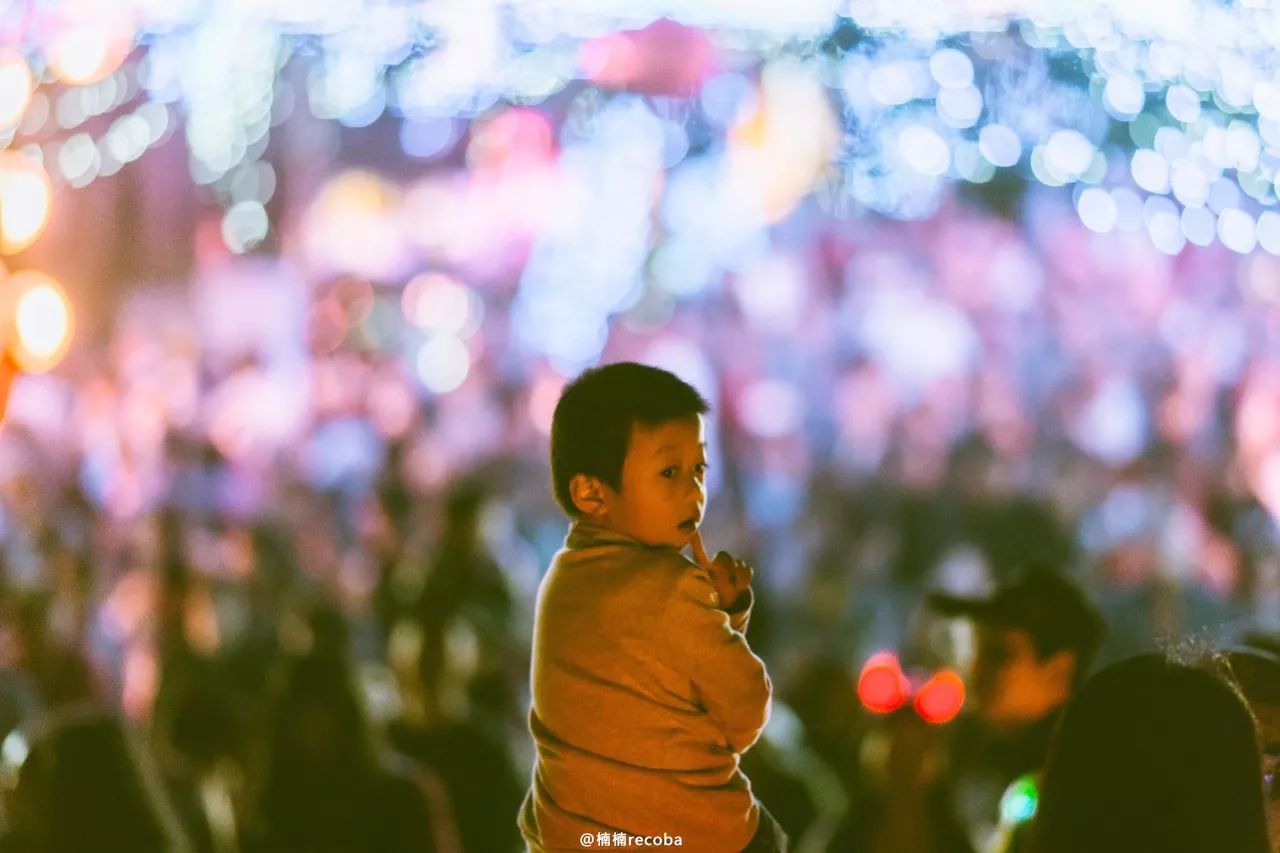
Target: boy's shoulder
665,561
655,571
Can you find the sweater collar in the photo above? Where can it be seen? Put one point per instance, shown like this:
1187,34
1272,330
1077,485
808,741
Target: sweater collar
590,534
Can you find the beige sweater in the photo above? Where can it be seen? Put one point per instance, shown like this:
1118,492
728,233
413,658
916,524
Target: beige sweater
645,693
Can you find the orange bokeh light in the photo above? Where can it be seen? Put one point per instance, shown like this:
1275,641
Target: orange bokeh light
25,198
86,52
39,321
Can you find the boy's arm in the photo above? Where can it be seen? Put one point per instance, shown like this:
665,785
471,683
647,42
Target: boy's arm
733,686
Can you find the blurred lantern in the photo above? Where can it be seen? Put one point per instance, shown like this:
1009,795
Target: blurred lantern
882,688
664,58
15,88
941,698
38,323
25,197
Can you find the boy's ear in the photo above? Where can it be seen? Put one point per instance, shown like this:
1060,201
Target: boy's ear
588,495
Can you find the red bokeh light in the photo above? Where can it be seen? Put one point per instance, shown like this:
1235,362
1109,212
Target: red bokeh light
941,698
882,688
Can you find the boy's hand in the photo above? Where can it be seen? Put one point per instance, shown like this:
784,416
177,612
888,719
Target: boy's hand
729,575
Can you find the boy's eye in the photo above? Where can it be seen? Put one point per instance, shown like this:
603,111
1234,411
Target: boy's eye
670,473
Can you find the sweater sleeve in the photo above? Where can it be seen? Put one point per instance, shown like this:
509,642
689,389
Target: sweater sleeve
730,681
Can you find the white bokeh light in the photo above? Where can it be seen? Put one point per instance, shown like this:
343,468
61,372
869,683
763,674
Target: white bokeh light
443,364
1190,186
1237,230
1166,232
1183,103
245,225
1199,225
1128,209
1150,170
1097,210
1068,153
895,83
951,69
924,150
1000,145
1268,231
960,107
1124,96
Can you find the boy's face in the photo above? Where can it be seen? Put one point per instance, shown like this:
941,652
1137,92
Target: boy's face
663,488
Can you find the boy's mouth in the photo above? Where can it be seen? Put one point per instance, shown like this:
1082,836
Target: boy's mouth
689,525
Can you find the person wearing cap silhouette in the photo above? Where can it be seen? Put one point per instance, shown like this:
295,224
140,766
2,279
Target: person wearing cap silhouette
1035,638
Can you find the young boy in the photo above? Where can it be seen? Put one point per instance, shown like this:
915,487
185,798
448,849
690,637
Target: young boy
645,692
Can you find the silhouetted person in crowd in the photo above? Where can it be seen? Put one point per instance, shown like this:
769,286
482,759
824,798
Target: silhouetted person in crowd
465,587
326,786
1035,639
61,674
86,786
1153,755
200,735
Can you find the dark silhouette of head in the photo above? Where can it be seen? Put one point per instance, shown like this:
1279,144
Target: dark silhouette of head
320,725
1152,754
86,785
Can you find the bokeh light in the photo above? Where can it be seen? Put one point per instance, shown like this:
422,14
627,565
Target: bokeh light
1097,210
440,304
1000,145
1020,801
86,52
443,364
245,225
25,199
42,320
882,686
924,150
353,226
15,88
941,698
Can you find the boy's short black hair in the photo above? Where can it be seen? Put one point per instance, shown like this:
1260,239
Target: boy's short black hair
592,424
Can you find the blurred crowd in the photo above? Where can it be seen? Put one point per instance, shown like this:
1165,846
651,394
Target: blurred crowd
349,670
272,595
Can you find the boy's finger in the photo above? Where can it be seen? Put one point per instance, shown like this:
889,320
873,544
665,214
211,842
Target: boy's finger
699,550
